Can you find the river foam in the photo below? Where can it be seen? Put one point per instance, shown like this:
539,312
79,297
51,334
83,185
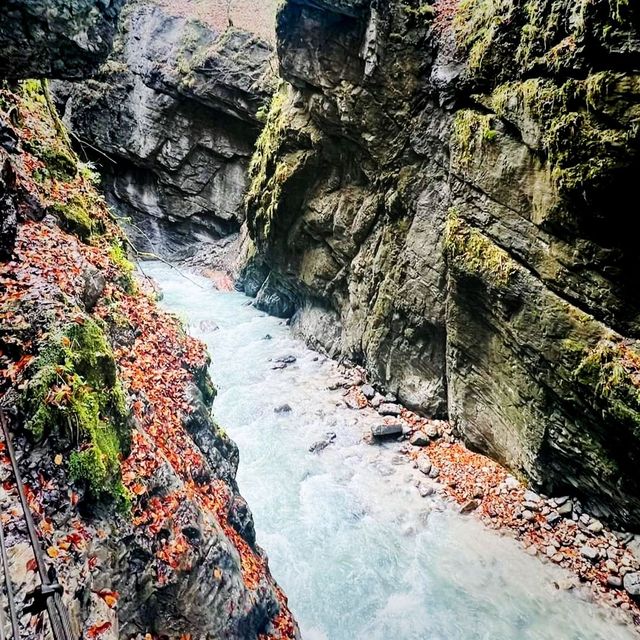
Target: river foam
359,553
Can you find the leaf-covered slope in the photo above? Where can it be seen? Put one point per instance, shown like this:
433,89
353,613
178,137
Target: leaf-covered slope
131,482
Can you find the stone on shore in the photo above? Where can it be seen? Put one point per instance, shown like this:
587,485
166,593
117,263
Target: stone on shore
595,527
424,465
389,409
589,553
432,431
615,582
368,391
469,506
419,439
565,509
631,584
553,517
386,430
425,490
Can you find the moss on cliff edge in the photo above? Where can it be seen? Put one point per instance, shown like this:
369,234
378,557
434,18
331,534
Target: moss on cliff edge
473,254
73,395
583,148
510,38
612,371
269,169
471,130
538,58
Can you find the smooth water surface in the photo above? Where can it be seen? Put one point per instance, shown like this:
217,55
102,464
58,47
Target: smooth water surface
359,553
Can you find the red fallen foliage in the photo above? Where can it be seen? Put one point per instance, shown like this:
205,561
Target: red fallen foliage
49,268
110,597
283,624
98,629
462,472
445,13
157,369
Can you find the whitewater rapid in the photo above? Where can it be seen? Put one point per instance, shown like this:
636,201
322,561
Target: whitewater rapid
359,553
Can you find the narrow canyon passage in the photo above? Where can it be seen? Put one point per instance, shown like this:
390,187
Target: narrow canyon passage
357,550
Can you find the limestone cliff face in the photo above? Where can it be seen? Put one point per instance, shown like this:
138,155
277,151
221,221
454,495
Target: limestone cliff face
55,39
176,110
442,192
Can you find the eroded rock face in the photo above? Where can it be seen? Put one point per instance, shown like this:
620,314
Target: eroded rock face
55,38
441,193
131,482
177,110
146,530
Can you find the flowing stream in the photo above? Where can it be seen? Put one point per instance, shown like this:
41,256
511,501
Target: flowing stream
359,553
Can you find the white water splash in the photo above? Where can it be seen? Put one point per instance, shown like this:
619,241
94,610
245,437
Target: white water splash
360,555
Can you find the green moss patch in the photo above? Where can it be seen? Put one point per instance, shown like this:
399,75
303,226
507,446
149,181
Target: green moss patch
470,252
74,217
471,130
511,38
269,170
73,394
58,161
126,268
612,371
582,149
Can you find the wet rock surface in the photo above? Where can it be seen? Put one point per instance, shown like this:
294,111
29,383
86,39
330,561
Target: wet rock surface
55,38
575,540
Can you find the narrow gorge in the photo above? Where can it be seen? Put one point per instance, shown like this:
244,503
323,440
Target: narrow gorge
395,235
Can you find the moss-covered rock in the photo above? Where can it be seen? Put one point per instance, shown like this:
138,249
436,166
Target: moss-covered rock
611,370
473,254
446,192
74,217
74,396
59,162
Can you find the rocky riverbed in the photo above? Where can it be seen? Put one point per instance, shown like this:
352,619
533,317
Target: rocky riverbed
556,529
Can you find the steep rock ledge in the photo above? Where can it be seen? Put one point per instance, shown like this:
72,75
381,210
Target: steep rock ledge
441,193
55,39
131,482
174,115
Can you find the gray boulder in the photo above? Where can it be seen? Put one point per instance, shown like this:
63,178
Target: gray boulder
631,582
386,430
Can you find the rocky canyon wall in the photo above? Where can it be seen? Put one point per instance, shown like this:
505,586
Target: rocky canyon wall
172,118
40,38
443,192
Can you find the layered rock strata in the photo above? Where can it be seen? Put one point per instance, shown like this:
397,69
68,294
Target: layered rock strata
172,118
442,193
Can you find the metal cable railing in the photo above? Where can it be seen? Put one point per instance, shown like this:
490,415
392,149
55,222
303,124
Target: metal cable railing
48,595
